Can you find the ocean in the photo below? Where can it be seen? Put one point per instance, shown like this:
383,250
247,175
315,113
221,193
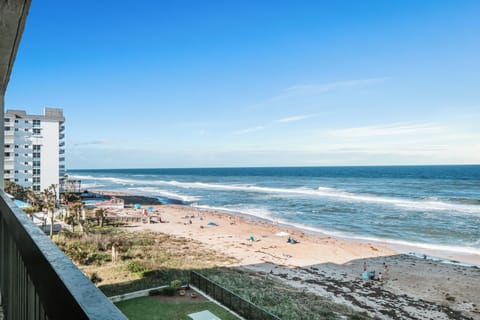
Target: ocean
429,207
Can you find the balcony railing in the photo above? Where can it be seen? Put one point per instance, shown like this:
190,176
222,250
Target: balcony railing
37,280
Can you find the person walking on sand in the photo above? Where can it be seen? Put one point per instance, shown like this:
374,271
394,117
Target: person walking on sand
385,269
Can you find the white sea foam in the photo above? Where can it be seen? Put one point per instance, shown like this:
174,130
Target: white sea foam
332,193
91,185
167,194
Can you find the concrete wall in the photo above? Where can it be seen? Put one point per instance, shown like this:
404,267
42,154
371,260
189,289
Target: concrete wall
49,163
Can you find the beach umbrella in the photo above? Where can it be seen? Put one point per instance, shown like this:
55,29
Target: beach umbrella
150,209
137,206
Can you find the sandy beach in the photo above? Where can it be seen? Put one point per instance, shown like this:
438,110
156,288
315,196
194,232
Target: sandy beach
411,287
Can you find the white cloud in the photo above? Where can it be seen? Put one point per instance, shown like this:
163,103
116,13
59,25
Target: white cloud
326,87
296,118
387,130
92,143
249,130
296,91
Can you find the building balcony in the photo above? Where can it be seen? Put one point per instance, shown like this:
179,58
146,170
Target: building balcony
37,280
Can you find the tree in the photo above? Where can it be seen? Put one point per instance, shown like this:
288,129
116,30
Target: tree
34,199
100,214
76,208
50,198
16,190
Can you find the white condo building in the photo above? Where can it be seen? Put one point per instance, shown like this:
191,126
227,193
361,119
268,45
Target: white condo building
34,148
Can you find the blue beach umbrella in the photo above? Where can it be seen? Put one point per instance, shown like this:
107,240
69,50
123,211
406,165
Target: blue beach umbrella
137,206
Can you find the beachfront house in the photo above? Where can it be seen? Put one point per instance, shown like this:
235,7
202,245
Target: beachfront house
37,280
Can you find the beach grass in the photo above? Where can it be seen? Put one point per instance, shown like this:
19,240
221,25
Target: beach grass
145,259
282,300
152,308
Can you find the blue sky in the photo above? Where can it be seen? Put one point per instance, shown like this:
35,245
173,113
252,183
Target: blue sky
255,83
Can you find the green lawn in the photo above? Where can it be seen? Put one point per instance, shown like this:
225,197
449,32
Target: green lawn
152,308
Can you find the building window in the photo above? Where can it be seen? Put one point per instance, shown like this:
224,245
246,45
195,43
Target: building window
25,154
7,119
7,154
26,129
16,180
36,188
16,129
16,146
7,146
7,128
16,154
25,171
26,121
36,147
27,146
26,179
36,163
36,122
16,171
36,171
16,121
26,163
36,131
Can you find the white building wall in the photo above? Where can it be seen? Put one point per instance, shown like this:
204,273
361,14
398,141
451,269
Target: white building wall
49,157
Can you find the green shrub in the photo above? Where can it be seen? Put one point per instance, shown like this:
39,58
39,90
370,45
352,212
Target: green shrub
137,268
175,284
154,292
169,291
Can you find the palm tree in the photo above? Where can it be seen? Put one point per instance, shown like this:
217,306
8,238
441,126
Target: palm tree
34,199
49,196
100,214
76,207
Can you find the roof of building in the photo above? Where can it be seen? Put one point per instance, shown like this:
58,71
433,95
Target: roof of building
13,15
52,114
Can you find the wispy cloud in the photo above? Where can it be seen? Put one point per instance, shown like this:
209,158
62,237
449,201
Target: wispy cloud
249,130
326,87
92,143
296,118
386,130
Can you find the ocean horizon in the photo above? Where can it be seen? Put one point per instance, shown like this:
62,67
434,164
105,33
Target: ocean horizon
432,207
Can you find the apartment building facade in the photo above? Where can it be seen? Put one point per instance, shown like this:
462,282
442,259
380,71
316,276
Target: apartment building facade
34,148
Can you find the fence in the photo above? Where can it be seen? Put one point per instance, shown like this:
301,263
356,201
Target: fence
37,280
229,299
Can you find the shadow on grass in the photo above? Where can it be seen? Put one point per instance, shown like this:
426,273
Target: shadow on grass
152,308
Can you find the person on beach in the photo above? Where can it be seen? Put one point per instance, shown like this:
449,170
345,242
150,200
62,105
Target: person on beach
365,266
385,269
